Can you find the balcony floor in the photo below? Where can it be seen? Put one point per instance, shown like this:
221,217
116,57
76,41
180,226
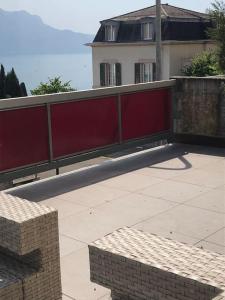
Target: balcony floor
176,191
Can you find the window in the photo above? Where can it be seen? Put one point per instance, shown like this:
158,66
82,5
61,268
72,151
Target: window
144,72
110,74
147,31
110,33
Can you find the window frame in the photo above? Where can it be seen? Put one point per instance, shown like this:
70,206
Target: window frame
145,72
111,76
110,32
149,27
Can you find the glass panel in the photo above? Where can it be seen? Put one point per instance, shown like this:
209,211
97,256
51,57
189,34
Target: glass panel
145,72
113,74
147,30
110,33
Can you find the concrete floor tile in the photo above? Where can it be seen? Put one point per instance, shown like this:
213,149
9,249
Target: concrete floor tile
218,237
131,182
69,245
134,208
159,230
88,226
76,277
202,178
200,161
64,297
167,169
190,221
222,187
213,200
93,195
211,247
65,208
174,191
215,167
106,297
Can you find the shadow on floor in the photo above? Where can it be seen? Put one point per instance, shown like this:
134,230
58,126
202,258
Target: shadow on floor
68,182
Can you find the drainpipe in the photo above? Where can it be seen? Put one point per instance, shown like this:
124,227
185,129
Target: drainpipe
158,41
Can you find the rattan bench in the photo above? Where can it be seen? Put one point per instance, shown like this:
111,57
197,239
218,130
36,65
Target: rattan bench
137,265
29,251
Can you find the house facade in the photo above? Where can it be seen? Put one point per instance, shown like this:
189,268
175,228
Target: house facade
124,48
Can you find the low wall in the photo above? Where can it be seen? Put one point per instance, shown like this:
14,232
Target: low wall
199,106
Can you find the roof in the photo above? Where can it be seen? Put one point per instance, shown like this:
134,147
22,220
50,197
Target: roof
168,11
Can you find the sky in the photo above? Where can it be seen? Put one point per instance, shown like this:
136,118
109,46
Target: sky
84,16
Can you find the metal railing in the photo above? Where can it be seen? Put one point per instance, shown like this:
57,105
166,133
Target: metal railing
40,133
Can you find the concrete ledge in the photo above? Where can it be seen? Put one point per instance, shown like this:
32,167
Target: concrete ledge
137,265
83,95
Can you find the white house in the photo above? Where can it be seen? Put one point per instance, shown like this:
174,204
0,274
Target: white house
123,51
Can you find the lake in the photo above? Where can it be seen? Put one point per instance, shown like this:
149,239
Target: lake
32,69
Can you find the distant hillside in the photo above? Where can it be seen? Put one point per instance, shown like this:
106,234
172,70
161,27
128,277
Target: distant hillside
23,33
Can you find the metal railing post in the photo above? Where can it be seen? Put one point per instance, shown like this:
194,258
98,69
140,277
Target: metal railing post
48,105
120,119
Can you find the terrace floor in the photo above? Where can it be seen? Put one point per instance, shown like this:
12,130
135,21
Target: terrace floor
176,191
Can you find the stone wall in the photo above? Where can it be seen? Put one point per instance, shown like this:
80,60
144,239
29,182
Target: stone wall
199,106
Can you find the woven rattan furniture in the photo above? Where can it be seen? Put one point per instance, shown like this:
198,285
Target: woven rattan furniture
137,265
29,251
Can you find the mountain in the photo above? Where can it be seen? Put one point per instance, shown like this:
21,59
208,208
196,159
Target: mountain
23,33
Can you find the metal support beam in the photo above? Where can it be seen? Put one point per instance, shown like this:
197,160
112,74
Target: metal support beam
50,132
158,41
120,119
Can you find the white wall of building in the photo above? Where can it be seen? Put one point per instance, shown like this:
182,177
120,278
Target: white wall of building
181,55
126,55
174,56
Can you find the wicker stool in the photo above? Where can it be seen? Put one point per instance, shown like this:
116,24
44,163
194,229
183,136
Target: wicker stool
137,265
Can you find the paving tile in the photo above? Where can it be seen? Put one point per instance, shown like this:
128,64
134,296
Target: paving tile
215,167
88,226
64,297
69,245
65,208
211,247
200,160
202,178
218,237
222,187
167,169
106,297
213,200
93,195
174,191
133,208
190,221
130,182
156,228
76,277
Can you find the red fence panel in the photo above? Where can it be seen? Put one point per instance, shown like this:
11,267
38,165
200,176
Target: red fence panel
23,137
145,113
84,125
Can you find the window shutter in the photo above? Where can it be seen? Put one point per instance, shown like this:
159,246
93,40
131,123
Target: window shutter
137,72
118,74
102,74
154,71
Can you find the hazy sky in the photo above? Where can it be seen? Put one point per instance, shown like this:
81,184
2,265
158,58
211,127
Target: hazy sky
84,15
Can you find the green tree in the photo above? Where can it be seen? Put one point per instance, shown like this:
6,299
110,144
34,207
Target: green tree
12,85
217,32
2,82
23,90
204,64
54,85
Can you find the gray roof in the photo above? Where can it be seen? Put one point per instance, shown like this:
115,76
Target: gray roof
168,11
